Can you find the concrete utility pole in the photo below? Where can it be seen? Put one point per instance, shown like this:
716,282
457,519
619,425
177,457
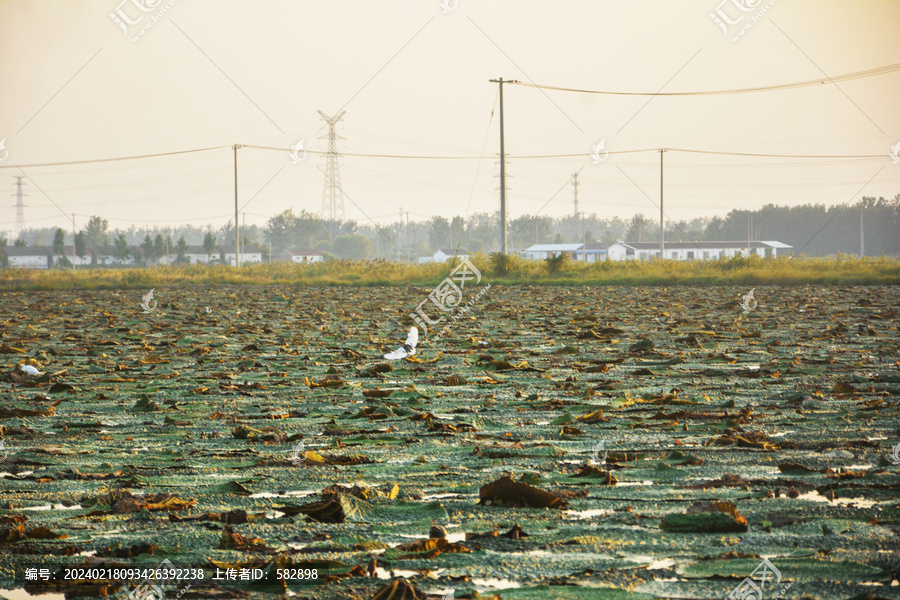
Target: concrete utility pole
750,234
73,241
862,235
502,169
662,228
575,187
237,224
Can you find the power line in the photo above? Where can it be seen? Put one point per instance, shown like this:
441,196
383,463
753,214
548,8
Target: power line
473,157
104,160
768,88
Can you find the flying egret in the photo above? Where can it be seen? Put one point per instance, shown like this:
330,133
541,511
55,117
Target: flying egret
407,349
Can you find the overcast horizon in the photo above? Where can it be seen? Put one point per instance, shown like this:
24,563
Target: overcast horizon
414,81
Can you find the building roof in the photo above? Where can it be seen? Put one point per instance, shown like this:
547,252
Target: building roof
28,251
594,247
553,248
304,252
192,249
248,249
702,245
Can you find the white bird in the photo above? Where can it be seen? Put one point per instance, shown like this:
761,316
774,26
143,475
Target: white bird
207,310
31,370
407,349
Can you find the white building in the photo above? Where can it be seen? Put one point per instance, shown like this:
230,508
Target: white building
591,252
25,257
197,255
250,254
545,251
302,256
443,255
695,250
67,254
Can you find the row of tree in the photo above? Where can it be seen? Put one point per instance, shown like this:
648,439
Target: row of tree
813,229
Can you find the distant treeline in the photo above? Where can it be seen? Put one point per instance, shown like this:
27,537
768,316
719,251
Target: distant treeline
812,229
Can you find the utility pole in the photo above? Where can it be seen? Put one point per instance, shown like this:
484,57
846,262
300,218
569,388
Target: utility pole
20,207
332,194
583,231
750,236
73,241
862,235
662,229
575,186
237,224
502,169
398,235
167,246
408,248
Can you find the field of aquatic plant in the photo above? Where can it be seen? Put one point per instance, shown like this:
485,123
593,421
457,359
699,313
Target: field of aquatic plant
563,442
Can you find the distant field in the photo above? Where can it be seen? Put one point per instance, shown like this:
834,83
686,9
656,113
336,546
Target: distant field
498,270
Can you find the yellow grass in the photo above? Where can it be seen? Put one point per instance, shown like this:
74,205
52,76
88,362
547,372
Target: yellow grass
514,270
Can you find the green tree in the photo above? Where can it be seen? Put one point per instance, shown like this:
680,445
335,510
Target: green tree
352,246
181,248
457,229
20,243
209,244
96,232
439,236
80,244
636,228
281,231
147,247
159,246
59,242
121,248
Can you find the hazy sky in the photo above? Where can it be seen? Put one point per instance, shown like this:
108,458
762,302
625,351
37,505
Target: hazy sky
414,81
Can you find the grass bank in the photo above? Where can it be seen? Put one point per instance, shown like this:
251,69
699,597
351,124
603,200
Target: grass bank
496,269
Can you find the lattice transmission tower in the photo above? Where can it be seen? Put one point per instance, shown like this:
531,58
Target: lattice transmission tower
20,207
332,196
